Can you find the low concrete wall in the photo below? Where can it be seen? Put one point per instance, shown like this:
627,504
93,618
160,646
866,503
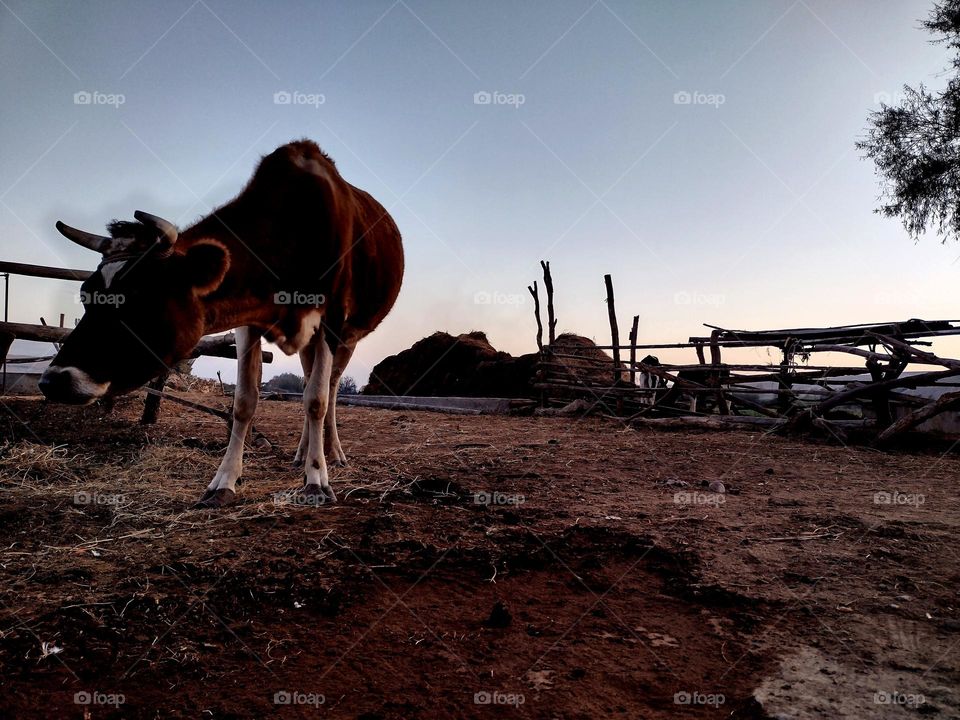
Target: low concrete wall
455,405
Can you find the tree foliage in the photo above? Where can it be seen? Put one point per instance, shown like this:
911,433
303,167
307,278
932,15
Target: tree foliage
915,145
348,386
285,382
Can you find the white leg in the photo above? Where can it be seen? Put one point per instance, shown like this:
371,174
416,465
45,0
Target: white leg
222,489
331,438
316,397
306,362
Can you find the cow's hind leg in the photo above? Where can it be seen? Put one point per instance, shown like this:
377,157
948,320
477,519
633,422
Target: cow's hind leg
222,489
316,396
331,438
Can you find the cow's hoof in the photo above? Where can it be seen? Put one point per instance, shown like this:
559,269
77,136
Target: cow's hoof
337,460
213,499
314,495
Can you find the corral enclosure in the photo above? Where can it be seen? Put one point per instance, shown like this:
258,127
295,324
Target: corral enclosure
562,567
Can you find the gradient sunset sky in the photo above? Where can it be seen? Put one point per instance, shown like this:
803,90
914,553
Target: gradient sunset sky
700,151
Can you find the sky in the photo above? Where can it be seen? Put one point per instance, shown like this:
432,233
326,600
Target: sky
701,151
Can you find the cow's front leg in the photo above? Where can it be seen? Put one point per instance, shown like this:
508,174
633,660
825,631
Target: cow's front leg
316,397
222,489
306,362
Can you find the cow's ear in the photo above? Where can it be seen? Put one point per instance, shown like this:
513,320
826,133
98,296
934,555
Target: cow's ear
207,264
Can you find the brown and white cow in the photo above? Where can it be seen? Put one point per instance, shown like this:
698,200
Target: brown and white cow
301,257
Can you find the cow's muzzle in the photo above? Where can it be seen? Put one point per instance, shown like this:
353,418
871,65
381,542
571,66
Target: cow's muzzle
70,385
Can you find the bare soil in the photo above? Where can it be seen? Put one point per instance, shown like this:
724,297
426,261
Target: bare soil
474,567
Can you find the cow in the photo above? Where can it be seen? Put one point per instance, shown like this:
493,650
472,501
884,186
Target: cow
650,381
678,395
300,257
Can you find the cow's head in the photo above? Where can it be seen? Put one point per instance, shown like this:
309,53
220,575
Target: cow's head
143,309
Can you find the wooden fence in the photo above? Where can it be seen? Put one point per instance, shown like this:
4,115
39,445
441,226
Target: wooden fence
796,393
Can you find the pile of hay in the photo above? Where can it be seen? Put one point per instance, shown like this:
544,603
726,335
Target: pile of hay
595,369
467,365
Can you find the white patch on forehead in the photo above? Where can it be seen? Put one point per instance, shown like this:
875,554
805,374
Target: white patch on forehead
110,270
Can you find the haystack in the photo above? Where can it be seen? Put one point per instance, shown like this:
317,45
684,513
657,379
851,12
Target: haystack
467,365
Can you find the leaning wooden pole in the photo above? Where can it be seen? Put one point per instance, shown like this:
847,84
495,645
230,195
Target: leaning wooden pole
614,331
551,318
536,313
947,401
633,349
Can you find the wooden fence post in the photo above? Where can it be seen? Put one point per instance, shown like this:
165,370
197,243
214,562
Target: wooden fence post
551,319
614,331
536,313
633,349
151,403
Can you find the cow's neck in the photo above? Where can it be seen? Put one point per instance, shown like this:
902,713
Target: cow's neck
225,313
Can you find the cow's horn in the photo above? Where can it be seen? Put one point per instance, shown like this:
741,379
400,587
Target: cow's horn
166,227
97,243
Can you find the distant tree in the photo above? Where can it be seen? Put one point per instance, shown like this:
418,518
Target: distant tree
285,382
347,386
916,144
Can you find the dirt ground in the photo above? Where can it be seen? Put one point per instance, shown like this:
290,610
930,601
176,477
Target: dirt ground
474,567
